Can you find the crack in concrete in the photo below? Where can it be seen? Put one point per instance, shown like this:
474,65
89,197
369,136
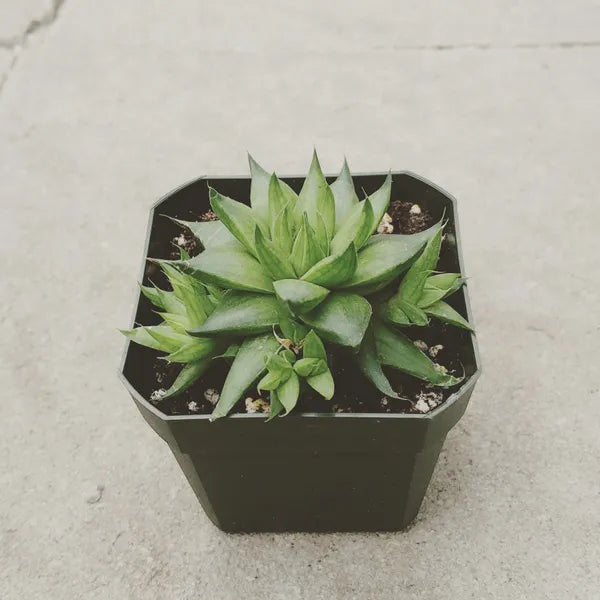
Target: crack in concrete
518,46
17,43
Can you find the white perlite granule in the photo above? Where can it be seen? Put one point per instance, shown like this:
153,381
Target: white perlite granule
256,405
212,396
385,226
427,401
435,350
193,406
415,209
421,345
157,395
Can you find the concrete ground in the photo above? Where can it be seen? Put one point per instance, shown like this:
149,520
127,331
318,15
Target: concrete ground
104,106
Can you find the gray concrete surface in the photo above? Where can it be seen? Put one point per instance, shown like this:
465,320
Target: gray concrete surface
107,105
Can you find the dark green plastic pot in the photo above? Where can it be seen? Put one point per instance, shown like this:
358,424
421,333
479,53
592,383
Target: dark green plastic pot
309,471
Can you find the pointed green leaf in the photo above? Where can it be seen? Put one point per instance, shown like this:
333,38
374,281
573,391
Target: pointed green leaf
152,293
187,377
176,277
195,349
277,201
281,231
412,284
276,407
313,346
169,339
394,314
279,371
333,270
289,356
170,302
383,259
308,367
444,312
237,217
302,296
178,323
400,308
269,382
259,190
306,251
275,262
278,363
231,268
438,287
288,392
318,250
191,293
245,369
141,335
240,313
369,365
356,227
344,194
183,254
323,384
380,201
322,235
396,350
342,318
316,197
196,300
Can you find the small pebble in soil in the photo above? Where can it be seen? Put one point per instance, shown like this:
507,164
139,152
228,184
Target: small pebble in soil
187,241
158,395
386,226
421,345
427,401
440,369
212,396
435,350
415,209
209,215
256,405
193,406
384,401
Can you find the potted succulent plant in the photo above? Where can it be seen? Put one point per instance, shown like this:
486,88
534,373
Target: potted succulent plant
332,332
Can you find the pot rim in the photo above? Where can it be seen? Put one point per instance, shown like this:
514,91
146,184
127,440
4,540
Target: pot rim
298,415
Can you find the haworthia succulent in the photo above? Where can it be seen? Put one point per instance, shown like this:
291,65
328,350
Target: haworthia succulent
281,276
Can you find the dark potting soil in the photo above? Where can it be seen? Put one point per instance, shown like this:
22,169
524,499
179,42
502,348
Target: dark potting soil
353,393
408,217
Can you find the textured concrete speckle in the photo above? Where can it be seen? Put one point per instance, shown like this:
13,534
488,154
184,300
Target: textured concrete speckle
113,104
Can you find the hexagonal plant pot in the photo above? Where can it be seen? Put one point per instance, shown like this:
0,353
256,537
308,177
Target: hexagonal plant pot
307,471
